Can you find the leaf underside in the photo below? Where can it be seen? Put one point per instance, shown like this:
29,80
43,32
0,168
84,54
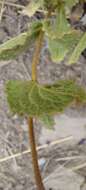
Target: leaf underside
78,50
29,97
59,48
12,47
62,37
17,45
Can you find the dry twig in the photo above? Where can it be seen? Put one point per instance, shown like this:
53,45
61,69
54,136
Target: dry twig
38,148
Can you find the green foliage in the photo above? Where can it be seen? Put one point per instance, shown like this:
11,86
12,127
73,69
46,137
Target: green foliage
78,50
62,26
62,38
35,5
29,97
47,120
15,46
71,3
59,48
58,27
52,5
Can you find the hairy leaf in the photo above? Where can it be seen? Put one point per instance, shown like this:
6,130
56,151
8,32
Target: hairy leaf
16,45
78,50
59,48
61,24
29,97
58,27
12,47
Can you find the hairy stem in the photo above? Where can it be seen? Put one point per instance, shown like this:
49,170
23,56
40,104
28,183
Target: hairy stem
34,155
36,55
35,61
38,46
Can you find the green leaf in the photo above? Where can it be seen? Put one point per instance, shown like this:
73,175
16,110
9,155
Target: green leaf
62,26
78,50
29,97
33,6
50,4
71,3
54,4
36,27
48,121
58,27
59,48
47,27
16,45
11,48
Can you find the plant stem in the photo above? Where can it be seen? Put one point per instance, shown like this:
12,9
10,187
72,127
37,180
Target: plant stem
34,155
36,55
35,61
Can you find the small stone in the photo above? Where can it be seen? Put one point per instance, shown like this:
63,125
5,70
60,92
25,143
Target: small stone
41,162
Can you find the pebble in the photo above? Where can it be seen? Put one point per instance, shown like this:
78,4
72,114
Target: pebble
41,162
